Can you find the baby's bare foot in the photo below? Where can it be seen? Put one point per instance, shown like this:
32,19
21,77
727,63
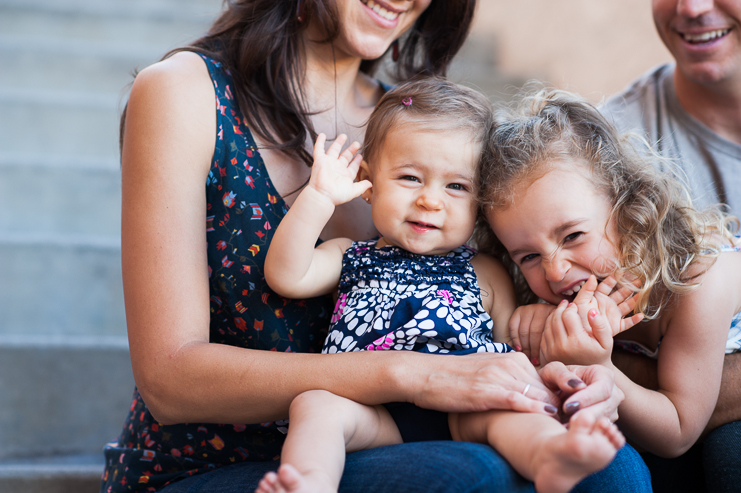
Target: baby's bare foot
588,446
289,480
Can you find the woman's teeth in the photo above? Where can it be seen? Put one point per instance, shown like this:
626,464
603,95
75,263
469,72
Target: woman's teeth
705,37
388,15
574,290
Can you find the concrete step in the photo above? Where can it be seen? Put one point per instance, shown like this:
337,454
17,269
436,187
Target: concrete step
71,66
59,198
39,22
62,395
164,9
59,474
55,285
64,124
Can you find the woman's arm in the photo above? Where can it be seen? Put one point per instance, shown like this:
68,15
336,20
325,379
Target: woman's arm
168,147
293,267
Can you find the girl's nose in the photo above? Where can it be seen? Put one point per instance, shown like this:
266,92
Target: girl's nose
430,200
555,268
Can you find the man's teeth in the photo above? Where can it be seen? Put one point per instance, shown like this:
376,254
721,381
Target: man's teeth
704,37
574,290
381,11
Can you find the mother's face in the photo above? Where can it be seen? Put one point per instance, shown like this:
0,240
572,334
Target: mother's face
368,27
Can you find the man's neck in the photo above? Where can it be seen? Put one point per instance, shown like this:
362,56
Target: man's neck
716,105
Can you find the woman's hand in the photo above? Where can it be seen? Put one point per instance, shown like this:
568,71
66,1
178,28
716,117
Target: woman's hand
479,382
526,328
333,173
589,389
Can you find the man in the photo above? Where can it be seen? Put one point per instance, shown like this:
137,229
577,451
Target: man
690,111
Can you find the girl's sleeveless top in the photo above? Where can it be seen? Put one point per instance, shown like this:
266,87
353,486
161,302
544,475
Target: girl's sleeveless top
243,210
733,341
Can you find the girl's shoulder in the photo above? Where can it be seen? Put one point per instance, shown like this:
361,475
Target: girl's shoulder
497,289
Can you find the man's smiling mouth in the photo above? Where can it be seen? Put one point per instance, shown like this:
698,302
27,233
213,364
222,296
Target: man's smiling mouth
705,37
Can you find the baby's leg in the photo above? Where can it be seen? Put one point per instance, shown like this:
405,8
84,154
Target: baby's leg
540,448
323,426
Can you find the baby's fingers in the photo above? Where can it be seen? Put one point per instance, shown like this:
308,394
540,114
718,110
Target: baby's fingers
350,156
359,187
336,147
514,331
319,146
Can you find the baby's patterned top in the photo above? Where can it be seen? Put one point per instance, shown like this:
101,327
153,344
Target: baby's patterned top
243,209
393,299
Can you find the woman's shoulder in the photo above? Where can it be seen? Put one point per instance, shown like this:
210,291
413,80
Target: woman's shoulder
183,74
172,107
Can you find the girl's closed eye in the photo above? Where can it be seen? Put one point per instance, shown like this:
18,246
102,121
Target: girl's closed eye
573,236
528,257
459,187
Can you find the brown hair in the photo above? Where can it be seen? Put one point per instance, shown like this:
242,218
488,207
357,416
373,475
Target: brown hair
660,234
260,42
432,103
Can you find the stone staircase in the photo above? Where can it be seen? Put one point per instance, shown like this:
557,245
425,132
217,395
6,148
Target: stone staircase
65,375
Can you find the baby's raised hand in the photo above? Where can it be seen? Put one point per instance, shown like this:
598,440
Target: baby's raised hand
334,172
526,328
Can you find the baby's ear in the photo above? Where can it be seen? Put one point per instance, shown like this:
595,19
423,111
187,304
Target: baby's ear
364,175
363,171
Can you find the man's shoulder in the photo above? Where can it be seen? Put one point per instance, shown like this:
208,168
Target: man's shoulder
639,104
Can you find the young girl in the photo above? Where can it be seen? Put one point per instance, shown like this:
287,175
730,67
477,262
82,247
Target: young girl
570,202
417,288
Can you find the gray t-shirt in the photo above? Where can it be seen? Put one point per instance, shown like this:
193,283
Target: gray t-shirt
712,164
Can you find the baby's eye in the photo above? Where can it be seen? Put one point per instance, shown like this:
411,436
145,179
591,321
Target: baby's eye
528,257
409,178
573,236
458,186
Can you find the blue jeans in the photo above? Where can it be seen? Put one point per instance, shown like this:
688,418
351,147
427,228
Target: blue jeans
445,467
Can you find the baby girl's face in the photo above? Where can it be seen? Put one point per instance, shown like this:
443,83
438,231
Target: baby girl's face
555,231
422,196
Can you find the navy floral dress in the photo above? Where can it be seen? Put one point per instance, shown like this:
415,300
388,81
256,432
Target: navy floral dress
243,210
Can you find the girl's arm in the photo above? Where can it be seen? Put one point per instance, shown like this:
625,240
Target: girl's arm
669,420
167,151
293,267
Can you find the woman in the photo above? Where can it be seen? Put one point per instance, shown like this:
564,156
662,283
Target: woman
208,339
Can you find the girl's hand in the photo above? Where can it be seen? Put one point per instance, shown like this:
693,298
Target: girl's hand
581,332
566,340
526,328
613,304
584,388
481,382
333,173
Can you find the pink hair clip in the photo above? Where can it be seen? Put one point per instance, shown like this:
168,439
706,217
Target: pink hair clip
407,101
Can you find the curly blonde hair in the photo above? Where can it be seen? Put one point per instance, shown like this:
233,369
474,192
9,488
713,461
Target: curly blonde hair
659,234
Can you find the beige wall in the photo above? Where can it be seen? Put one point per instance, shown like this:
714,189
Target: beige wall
593,47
